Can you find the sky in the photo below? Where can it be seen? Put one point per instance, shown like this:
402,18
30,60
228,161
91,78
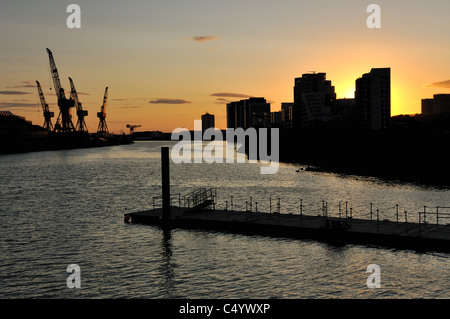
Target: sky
167,62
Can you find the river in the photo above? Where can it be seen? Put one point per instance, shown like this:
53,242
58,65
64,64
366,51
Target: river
66,207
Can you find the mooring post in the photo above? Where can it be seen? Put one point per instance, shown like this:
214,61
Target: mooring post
346,209
420,220
406,219
437,215
165,175
301,207
378,218
396,212
301,211
351,216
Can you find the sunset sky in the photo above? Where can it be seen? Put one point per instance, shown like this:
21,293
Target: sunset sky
166,62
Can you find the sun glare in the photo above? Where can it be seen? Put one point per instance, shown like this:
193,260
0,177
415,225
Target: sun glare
349,93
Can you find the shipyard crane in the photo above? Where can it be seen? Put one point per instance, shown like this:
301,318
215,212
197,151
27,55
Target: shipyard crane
81,124
132,127
47,114
102,127
64,121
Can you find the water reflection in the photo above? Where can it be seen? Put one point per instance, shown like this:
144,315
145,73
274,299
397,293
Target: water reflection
167,266
59,204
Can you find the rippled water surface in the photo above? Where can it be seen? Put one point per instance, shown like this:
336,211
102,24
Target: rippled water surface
66,207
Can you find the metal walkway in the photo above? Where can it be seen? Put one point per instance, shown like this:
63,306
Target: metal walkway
201,198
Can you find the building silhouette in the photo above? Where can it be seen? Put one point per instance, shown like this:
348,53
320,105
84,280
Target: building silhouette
373,99
316,106
13,127
286,114
439,104
345,112
252,112
314,99
207,121
276,118
427,106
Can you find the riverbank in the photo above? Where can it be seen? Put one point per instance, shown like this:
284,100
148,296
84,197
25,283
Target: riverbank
60,141
409,156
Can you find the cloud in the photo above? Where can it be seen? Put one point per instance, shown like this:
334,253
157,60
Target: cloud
239,95
221,97
204,38
83,93
25,84
130,99
221,100
168,101
442,84
11,105
13,92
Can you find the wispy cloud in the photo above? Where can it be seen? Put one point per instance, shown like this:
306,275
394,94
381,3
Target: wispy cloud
13,92
130,99
25,84
168,101
14,105
239,95
222,100
442,84
228,97
204,38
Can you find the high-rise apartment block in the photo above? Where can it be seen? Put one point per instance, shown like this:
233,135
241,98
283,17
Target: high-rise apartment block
439,104
373,99
314,98
207,121
252,112
286,114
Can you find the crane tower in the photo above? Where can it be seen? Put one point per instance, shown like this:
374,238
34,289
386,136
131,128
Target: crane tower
81,124
132,127
64,122
102,127
47,114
